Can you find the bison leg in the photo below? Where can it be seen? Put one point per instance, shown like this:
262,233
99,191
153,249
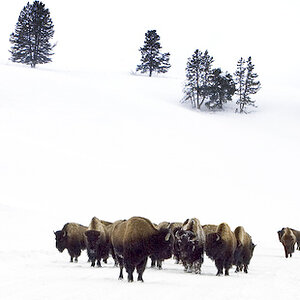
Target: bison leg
129,269
140,269
219,265
153,263
121,265
99,263
76,259
159,264
286,252
197,266
246,269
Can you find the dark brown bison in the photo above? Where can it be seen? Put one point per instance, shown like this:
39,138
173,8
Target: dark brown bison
156,261
296,233
98,244
288,239
220,247
136,239
72,238
190,242
244,249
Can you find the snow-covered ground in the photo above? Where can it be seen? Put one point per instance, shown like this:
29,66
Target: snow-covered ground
85,136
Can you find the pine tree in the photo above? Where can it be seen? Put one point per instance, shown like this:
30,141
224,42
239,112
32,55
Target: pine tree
198,74
152,60
33,31
222,88
246,84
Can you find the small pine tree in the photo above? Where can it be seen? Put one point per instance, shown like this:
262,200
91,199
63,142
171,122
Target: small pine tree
221,90
198,72
33,31
246,84
152,60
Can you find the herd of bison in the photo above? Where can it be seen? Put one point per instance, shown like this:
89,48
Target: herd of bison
130,243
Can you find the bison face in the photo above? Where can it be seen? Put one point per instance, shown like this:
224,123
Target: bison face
92,241
187,243
163,244
61,240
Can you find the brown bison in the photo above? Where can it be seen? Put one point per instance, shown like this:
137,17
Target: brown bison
72,238
190,242
288,239
98,244
244,249
296,233
134,240
220,247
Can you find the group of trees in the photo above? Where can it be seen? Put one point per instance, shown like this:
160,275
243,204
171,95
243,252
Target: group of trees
203,85
214,87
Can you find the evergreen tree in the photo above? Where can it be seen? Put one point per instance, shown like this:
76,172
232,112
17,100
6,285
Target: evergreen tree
221,90
33,31
246,84
152,60
198,77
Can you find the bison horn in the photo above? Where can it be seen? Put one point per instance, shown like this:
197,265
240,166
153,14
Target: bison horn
218,237
167,236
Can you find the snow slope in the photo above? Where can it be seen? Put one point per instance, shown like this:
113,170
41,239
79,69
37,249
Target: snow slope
114,145
85,137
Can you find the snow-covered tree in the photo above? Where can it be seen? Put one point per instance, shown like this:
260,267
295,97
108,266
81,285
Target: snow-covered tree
33,31
222,88
247,85
198,75
152,59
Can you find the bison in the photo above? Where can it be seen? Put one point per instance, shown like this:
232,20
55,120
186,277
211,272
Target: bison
288,240
220,247
72,238
98,244
296,233
136,239
190,243
244,249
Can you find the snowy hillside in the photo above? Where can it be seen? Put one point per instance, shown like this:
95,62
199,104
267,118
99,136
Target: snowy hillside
85,137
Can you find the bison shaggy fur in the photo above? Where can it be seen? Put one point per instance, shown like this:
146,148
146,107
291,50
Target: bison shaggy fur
220,247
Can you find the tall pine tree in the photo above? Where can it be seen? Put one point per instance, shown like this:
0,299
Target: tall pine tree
152,60
33,31
198,75
247,85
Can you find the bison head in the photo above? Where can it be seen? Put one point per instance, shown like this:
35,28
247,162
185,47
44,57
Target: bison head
61,240
164,243
186,243
92,241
